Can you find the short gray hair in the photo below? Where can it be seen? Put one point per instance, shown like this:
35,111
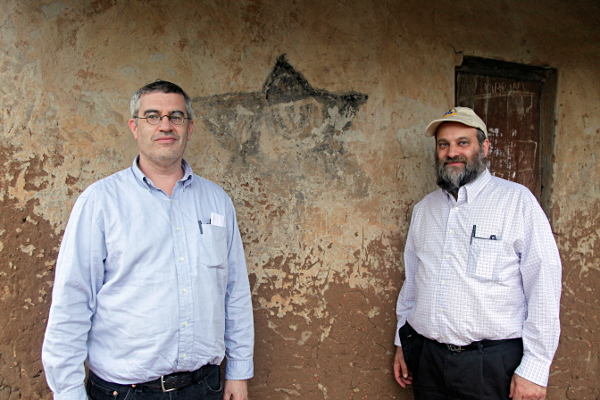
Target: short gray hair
481,136
159,86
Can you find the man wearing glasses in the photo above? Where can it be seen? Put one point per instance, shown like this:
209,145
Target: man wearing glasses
151,288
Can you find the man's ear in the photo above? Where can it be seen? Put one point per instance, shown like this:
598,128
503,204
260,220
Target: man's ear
133,126
486,147
190,129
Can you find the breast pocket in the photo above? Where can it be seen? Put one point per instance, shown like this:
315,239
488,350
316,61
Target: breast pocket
213,246
484,256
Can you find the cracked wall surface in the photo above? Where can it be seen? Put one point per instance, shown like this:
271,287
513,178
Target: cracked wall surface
310,114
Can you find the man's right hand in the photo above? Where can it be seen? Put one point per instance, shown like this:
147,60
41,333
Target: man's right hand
401,372
235,390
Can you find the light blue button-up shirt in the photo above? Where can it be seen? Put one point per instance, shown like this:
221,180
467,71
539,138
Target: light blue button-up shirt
146,286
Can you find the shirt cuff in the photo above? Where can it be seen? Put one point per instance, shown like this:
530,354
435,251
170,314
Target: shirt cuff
397,336
238,370
534,370
77,393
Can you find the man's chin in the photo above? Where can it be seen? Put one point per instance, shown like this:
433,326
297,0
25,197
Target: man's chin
454,170
455,166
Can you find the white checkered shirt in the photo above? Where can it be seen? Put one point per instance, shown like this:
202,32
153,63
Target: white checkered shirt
502,283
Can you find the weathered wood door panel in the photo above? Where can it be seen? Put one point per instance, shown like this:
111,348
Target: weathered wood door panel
510,108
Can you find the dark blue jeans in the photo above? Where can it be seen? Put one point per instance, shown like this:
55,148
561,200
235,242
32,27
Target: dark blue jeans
209,388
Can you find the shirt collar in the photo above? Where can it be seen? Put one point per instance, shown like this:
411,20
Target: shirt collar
188,174
470,191
474,188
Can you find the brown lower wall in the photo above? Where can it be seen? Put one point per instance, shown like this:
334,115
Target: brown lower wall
323,174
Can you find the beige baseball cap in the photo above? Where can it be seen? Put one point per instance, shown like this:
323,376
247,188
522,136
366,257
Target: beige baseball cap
464,115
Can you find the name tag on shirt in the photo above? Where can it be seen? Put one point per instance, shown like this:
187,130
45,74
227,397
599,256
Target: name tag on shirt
217,220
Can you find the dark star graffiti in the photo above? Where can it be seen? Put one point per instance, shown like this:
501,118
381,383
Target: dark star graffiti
288,129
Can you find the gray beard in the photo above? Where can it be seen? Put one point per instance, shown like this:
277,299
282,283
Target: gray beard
452,180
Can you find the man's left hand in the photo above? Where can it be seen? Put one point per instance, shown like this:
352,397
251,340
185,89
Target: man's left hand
235,390
522,389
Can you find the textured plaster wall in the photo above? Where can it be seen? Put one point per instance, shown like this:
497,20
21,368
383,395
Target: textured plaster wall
321,152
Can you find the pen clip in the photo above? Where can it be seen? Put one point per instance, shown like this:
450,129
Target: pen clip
200,226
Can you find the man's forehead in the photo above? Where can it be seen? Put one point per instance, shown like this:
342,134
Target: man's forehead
159,99
455,129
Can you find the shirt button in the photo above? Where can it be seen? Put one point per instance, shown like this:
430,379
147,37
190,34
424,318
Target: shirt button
183,355
185,324
451,231
176,229
441,310
455,208
184,290
180,258
447,256
443,282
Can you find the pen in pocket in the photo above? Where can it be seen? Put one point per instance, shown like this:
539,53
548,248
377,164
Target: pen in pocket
474,235
200,226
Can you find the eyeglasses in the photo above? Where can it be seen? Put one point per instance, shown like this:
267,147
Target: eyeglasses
176,118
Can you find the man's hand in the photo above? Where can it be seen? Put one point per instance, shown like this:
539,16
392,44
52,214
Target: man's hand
522,389
235,390
401,372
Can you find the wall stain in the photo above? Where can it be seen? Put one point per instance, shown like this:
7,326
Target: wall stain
99,6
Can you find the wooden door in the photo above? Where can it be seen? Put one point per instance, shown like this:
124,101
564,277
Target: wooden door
510,107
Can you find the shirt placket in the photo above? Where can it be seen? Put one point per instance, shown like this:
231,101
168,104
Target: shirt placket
445,278
184,281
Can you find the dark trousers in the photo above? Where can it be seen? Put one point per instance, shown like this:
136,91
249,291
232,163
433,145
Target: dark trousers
209,388
483,373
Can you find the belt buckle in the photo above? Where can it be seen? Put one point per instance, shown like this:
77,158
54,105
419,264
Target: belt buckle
162,385
454,348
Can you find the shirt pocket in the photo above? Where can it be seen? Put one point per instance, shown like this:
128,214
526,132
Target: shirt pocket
484,256
213,246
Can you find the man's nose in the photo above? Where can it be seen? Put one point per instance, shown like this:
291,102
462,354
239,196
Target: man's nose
165,123
453,151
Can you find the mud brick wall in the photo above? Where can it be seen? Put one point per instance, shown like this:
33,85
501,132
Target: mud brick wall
310,115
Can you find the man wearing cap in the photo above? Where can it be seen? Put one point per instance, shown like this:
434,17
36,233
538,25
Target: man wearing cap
478,314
